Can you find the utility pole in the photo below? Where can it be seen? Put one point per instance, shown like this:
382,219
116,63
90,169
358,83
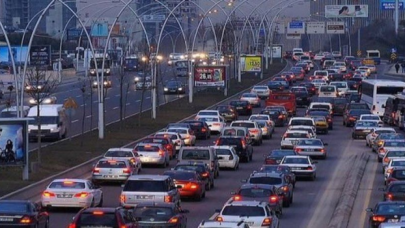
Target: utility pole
396,16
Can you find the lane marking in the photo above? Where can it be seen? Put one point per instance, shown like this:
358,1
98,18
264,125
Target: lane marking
88,116
147,97
369,187
107,98
74,121
116,107
79,96
127,104
138,100
117,95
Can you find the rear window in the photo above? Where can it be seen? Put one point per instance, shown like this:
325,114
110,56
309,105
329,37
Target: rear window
238,103
394,144
339,85
119,154
339,101
196,154
197,168
296,135
400,174
359,106
328,89
111,164
68,185
155,140
243,124
282,153
366,124
105,220
396,154
181,175
14,207
207,113
157,214
322,73
265,180
147,148
229,141
281,97
321,106
259,118
251,211
209,119
398,208
255,192
233,132
302,122
180,131
296,161
223,152
398,163
145,186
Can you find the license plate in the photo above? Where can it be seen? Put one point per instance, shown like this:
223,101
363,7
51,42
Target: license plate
295,168
239,107
6,219
64,195
110,176
250,223
294,142
310,150
393,220
144,197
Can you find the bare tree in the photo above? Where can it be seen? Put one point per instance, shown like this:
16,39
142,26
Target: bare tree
40,84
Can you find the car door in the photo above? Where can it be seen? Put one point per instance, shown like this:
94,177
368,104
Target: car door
40,216
96,191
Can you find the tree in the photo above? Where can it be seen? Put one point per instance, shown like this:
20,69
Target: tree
40,84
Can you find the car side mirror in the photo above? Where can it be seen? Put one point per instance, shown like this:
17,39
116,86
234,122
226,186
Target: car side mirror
369,209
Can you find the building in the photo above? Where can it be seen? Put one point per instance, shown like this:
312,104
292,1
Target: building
3,11
17,13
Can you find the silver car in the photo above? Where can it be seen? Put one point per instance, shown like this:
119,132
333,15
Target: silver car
252,98
255,131
153,153
116,170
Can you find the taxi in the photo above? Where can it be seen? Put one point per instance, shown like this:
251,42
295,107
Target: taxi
321,124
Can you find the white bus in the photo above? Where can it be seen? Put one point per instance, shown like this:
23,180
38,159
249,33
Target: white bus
375,93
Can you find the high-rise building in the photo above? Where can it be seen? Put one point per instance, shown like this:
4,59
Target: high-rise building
17,13
3,11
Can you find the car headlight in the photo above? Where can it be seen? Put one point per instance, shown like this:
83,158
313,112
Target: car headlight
180,88
95,83
166,89
28,87
47,101
137,79
54,129
32,101
107,71
92,71
39,87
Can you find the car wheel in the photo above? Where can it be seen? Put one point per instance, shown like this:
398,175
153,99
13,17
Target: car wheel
367,144
313,177
212,184
203,195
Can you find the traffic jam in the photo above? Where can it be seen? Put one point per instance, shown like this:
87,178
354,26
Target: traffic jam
301,102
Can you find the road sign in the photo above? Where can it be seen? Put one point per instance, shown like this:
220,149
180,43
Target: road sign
153,18
393,56
315,27
390,4
358,53
335,27
70,103
293,36
296,27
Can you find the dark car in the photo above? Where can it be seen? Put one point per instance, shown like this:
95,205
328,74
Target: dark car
339,106
275,86
282,169
103,217
192,185
174,87
302,98
22,213
276,116
299,73
228,112
242,107
151,214
200,128
242,148
397,174
350,118
275,156
288,55
349,59
260,192
310,87
354,98
203,170
395,191
336,77
387,211
352,106
355,63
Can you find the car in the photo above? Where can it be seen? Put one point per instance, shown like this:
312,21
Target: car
291,137
106,84
252,98
215,123
354,98
261,192
347,59
392,154
313,112
103,217
358,106
153,153
311,147
242,107
322,105
372,117
301,166
254,213
174,87
371,137
302,98
190,182
242,148
160,214
393,164
165,141
388,145
311,131
73,193
310,87
362,128
394,191
200,128
350,117
275,86
321,124
36,86
341,65
186,134
282,169
319,57
262,91
112,170
320,74
338,105
227,157
254,130
142,83
386,211
22,213
319,82
379,140
276,179
336,77
207,112
341,87
237,131
204,154
149,188
266,127
202,169
216,224
276,116
286,99
125,153
396,173
178,142
261,117
43,99
305,121
299,73
228,112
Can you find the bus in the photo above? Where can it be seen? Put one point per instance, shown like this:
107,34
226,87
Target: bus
374,54
94,71
375,93
131,63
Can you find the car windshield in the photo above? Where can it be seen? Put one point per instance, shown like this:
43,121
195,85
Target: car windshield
181,175
111,164
265,180
398,163
97,220
195,154
394,144
155,214
8,207
367,124
296,161
251,211
118,153
68,185
255,192
145,186
233,132
313,142
395,208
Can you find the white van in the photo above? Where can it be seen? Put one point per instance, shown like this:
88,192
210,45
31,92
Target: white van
327,91
11,112
53,122
341,86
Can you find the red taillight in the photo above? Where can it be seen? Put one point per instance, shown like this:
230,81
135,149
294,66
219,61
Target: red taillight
168,199
386,160
249,107
378,218
381,151
273,199
98,213
280,116
352,118
329,120
390,196
389,180
126,170
237,198
389,171
266,222
243,143
297,150
203,129
193,186
72,225
217,142
123,198
254,131
96,170
48,194
205,174
285,188
161,153
81,195
219,219
25,220
309,168
322,150
174,220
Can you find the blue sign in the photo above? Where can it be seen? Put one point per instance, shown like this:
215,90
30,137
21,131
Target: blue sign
99,29
390,4
296,25
393,50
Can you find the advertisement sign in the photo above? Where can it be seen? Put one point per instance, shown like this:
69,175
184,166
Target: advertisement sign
99,29
40,55
390,4
277,51
18,53
315,27
210,76
297,27
334,11
335,27
293,36
251,63
13,142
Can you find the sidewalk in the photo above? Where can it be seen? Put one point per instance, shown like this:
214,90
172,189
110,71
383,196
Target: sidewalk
392,72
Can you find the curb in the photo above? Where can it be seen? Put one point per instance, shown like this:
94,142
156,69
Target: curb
343,210
34,190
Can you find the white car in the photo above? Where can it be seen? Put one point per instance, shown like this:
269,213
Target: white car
261,91
43,99
175,137
311,147
252,98
306,121
291,138
261,117
319,57
394,153
207,113
319,82
254,213
342,87
342,66
78,193
375,132
216,224
215,123
372,117
309,129
301,166
366,69
397,162
227,157
186,135
153,153
125,153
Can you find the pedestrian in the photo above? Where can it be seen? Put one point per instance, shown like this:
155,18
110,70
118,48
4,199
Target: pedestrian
403,67
397,67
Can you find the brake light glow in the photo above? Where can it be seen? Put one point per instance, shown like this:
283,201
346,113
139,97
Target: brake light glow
161,153
25,220
82,195
266,222
98,212
249,107
389,171
285,188
386,160
309,168
322,150
381,151
298,150
273,199
219,219
168,199
72,225
96,170
193,186
205,174
48,194
389,196
378,218
123,198
126,170
243,143
237,198
203,129
174,220
280,116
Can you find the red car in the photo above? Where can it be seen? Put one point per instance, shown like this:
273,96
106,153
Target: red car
192,186
102,217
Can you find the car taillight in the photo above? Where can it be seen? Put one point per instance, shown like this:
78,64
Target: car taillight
25,220
352,118
378,218
243,143
174,220
169,147
48,194
322,150
389,180
389,171
81,195
266,222
203,129
329,120
386,160
309,168
273,199
126,170
72,225
161,153
217,142
254,131
193,186
219,219
280,116
216,124
205,174
297,150
96,170
123,198
380,143
168,199
381,151
237,198
249,107
389,196
132,160
285,188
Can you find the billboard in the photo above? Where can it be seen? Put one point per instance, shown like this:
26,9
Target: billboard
335,27
390,4
335,11
13,142
276,51
99,29
315,27
251,63
18,53
40,55
297,27
292,36
210,76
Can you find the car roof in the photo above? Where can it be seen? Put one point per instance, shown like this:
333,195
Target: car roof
296,131
223,147
73,180
296,156
120,149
